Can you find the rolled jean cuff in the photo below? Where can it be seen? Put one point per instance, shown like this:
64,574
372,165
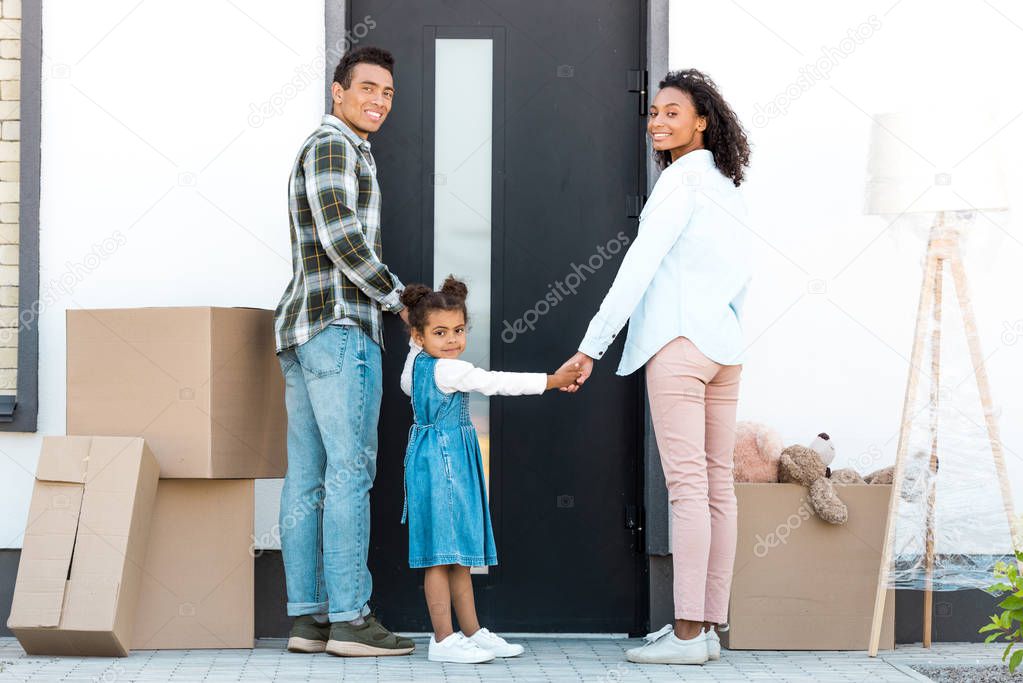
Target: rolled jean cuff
349,615
298,609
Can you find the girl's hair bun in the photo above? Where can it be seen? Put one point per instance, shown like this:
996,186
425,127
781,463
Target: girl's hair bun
420,299
454,287
413,294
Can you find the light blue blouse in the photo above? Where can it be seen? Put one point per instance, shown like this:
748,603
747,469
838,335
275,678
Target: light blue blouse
685,275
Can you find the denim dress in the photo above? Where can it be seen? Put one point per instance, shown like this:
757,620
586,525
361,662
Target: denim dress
445,492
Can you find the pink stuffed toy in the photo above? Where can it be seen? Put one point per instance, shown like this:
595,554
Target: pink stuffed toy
757,451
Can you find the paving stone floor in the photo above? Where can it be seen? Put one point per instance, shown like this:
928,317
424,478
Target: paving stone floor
596,659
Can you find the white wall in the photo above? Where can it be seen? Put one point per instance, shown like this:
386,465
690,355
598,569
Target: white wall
149,142
833,356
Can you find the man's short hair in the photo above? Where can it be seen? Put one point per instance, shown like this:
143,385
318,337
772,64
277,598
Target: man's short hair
362,55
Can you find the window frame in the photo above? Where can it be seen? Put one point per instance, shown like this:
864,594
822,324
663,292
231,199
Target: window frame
26,406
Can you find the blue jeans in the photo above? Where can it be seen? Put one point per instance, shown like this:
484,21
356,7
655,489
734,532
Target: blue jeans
332,393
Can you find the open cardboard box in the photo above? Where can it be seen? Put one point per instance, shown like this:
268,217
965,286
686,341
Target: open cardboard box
801,583
201,384
85,542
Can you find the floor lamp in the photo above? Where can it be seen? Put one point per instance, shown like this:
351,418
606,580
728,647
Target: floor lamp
902,180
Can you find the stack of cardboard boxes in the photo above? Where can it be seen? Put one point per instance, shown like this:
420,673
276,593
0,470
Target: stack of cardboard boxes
198,392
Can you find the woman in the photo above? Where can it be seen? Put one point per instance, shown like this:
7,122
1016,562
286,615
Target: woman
682,284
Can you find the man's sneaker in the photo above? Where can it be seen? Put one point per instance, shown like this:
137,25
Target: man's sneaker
713,645
495,644
368,639
308,635
663,647
457,648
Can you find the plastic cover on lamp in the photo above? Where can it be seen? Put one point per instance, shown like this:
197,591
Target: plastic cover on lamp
928,162
970,525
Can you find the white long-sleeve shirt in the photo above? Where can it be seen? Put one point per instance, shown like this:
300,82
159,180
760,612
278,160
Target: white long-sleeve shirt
454,375
687,272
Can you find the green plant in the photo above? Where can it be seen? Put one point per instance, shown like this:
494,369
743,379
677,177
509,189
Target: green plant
1008,624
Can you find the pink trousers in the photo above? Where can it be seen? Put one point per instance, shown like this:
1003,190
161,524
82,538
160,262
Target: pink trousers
693,403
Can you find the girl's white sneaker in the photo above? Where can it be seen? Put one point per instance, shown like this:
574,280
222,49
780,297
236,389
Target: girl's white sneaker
663,647
458,649
493,643
713,645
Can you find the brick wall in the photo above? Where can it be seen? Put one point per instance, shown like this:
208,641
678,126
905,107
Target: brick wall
10,134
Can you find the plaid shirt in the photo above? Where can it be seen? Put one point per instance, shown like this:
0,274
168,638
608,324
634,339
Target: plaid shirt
334,211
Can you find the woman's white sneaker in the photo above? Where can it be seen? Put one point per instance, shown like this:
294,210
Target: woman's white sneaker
663,647
458,649
493,643
713,645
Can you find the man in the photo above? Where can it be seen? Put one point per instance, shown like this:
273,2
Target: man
329,334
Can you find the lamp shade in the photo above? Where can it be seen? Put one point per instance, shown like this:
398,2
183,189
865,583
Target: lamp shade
929,161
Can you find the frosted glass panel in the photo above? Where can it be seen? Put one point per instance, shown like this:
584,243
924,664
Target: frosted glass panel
463,131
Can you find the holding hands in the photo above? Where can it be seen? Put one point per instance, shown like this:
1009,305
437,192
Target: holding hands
565,376
581,363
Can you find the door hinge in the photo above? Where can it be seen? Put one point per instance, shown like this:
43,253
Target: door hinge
634,205
638,84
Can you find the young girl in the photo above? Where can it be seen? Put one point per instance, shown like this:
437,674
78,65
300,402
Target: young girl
446,497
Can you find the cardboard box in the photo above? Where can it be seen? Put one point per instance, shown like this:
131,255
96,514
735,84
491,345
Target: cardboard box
202,386
198,586
86,537
804,584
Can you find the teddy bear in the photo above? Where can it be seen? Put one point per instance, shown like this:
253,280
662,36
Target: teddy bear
756,453
846,475
808,465
885,475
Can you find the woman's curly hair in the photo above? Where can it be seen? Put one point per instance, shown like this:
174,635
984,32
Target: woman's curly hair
724,135
420,299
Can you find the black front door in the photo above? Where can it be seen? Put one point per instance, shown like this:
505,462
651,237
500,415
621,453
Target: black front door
512,158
